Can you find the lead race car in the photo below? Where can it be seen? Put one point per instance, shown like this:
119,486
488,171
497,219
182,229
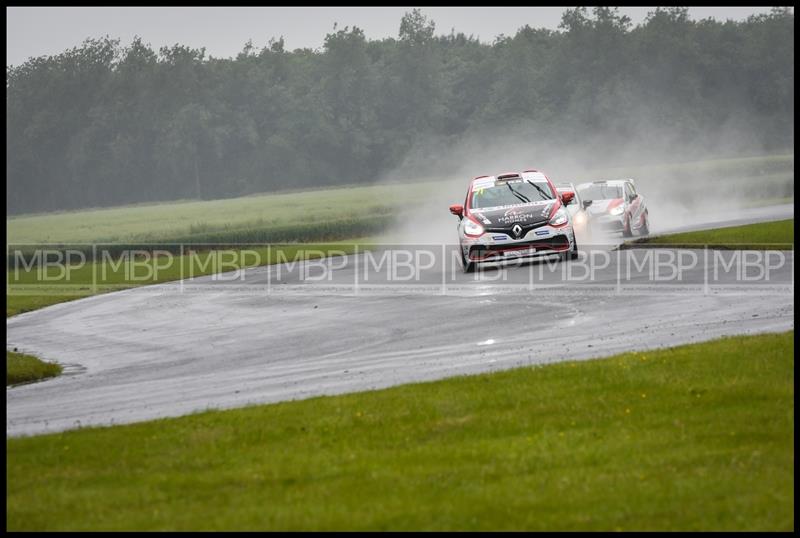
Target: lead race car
514,215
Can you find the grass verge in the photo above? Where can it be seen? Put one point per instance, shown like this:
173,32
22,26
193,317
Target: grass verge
777,235
692,437
22,368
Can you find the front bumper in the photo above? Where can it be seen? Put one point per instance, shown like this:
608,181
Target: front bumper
543,241
609,223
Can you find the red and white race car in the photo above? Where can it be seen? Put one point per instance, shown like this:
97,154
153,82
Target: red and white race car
514,215
615,206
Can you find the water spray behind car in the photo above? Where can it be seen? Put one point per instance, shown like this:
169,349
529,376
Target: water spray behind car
683,181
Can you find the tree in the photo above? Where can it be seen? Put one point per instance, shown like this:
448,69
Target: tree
105,124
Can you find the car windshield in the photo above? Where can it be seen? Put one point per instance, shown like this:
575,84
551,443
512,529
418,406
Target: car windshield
511,193
599,191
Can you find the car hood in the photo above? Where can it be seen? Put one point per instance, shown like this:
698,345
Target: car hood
524,214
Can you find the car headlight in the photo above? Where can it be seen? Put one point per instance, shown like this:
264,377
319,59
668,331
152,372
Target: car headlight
472,228
580,218
617,210
560,217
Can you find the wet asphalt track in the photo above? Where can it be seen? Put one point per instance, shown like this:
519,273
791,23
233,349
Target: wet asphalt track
176,348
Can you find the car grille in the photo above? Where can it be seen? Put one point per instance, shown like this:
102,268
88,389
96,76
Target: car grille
557,243
508,229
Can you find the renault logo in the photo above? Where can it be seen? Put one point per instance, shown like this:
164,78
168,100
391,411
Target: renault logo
517,229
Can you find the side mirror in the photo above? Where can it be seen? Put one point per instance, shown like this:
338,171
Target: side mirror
567,197
457,210
586,203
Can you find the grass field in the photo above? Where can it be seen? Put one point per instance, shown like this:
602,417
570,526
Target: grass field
696,437
234,219
763,235
23,368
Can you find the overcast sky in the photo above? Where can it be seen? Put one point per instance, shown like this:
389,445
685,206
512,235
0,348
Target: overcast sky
224,30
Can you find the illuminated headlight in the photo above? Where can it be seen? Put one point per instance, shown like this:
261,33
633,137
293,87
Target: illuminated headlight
580,218
559,218
472,228
617,210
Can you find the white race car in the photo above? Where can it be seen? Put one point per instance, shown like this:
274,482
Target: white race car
514,215
615,206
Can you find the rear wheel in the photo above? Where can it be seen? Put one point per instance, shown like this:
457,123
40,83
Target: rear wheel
645,226
626,230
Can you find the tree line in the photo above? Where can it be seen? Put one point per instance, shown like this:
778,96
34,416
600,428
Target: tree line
105,124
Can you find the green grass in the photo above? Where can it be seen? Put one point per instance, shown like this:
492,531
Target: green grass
234,219
763,235
23,368
696,437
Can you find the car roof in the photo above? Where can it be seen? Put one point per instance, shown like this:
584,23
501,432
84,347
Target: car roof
530,174
609,181
613,182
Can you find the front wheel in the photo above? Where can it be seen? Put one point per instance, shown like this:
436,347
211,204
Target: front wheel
571,254
466,265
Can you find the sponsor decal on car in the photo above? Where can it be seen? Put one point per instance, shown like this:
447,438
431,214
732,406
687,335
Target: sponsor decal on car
515,214
523,204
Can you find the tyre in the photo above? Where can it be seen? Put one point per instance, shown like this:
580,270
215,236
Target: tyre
626,231
466,265
571,254
645,231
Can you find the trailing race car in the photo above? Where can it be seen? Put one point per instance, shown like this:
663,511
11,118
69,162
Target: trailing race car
615,206
514,215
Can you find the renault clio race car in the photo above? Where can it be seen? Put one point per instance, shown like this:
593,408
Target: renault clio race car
514,215
615,206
